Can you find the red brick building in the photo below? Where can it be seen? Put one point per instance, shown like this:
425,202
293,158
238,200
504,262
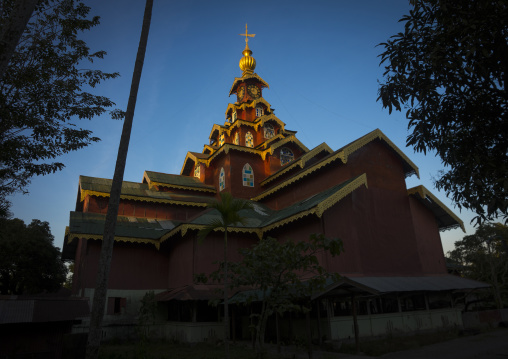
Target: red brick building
357,193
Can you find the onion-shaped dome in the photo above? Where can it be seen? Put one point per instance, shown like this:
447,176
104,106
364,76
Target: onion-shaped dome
247,62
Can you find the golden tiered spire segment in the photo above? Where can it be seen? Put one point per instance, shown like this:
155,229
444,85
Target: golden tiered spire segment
247,62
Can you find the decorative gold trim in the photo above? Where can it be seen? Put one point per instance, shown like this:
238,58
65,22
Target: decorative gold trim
266,144
192,157
244,105
209,148
340,194
85,193
317,210
183,228
356,145
424,193
297,177
169,185
117,238
343,155
246,77
321,207
215,127
291,138
260,121
228,146
300,162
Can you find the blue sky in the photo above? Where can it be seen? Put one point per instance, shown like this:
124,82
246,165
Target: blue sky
319,58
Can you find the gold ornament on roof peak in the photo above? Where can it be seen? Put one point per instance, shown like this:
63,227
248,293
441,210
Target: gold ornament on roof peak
247,62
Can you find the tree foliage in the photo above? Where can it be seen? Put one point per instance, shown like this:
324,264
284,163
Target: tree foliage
448,69
484,256
29,262
44,91
12,28
282,274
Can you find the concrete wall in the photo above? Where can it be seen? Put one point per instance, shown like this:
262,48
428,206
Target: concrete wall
396,323
484,318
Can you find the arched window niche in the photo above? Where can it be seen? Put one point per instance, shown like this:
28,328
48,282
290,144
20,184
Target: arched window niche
249,140
286,156
237,139
248,176
222,179
197,170
268,131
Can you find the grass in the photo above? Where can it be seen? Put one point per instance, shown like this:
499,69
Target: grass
163,350
392,343
166,350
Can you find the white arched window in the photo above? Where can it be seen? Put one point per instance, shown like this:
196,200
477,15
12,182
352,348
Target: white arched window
259,111
268,130
222,139
249,140
237,139
248,176
233,117
222,179
286,156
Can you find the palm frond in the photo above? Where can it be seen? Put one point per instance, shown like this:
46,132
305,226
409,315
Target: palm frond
228,208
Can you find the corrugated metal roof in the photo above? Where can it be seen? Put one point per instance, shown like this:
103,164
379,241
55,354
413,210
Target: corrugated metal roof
93,223
42,310
178,180
411,284
190,292
382,285
103,185
16,311
263,216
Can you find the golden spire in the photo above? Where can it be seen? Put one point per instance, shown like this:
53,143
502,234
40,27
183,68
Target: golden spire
247,62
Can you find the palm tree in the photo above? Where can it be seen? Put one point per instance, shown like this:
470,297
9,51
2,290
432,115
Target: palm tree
228,208
101,286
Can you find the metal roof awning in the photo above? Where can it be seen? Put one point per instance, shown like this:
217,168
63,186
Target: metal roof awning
42,310
382,285
194,292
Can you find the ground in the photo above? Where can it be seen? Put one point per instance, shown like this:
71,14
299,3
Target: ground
487,345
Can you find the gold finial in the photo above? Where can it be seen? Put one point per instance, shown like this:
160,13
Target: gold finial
247,62
247,35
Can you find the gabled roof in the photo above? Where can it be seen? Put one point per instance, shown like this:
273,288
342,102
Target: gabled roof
192,158
343,154
445,218
262,219
101,187
208,158
260,121
90,225
409,167
176,181
300,162
247,77
251,104
259,220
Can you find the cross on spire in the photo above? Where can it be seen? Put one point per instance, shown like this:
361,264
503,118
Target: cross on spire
247,35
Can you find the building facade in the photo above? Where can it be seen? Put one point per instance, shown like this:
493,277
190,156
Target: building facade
357,193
